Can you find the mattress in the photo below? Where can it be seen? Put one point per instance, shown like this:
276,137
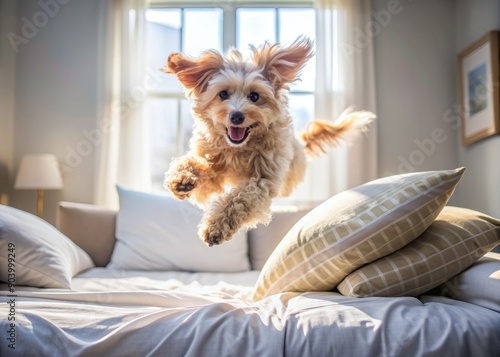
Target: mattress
138,313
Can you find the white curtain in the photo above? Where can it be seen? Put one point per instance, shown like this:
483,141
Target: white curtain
122,150
345,78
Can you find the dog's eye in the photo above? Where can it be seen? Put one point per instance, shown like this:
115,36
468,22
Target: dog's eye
254,97
224,95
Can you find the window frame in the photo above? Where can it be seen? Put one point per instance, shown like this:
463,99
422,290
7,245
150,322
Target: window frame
229,36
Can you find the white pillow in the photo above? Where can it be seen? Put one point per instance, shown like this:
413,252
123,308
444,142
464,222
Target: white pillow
156,232
479,284
40,255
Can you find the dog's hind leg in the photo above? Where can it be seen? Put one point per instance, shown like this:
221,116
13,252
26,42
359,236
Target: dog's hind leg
244,206
190,176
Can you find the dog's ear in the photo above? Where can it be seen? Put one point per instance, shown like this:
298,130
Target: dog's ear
194,73
281,65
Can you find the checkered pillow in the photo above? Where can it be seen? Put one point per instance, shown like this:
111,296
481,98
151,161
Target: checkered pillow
450,245
354,228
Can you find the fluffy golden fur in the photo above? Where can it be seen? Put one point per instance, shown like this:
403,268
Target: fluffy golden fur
243,135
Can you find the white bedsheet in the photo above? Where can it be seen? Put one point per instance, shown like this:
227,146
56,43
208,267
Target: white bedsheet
116,313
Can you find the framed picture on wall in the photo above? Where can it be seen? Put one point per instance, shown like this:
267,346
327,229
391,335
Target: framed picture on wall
479,81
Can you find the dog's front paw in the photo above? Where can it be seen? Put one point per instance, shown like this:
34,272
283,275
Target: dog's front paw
180,184
212,233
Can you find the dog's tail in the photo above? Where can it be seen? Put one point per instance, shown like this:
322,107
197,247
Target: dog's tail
320,133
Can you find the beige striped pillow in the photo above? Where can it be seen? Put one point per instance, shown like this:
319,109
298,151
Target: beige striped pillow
353,228
450,245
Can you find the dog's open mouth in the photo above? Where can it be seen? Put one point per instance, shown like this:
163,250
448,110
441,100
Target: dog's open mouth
238,134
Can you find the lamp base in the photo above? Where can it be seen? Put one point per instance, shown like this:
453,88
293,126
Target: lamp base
4,199
39,206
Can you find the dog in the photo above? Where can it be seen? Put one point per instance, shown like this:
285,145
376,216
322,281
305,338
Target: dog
243,136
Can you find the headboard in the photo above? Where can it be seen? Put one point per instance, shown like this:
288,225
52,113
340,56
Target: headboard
91,227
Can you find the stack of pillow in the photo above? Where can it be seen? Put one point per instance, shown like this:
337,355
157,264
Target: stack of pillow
394,236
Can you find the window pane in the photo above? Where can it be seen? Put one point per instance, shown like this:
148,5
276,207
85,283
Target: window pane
161,114
163,37
301,108
294,23
166,17
202,30
254,27
187,123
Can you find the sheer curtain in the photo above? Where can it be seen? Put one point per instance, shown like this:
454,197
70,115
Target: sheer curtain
122,153
345,78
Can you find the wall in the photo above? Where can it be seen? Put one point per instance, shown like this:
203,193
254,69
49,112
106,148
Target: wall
8,23
56,94
479,187
415,83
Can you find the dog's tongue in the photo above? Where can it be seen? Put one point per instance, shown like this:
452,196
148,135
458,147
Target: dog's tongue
236,133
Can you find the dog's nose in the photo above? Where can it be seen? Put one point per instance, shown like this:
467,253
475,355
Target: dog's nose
237,118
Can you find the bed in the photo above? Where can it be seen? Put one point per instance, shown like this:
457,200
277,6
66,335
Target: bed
114,288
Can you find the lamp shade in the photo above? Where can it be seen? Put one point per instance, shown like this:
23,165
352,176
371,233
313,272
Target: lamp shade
40,171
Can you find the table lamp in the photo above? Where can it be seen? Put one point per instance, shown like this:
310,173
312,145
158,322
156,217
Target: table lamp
39,172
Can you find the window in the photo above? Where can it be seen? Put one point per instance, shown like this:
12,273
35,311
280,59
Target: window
192,29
